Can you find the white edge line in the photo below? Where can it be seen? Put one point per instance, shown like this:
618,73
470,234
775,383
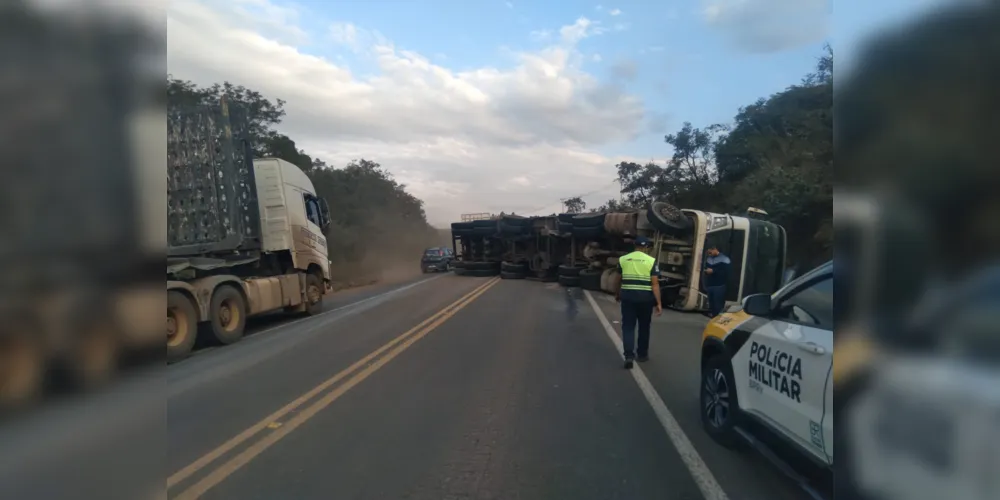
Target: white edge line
352,304
710,488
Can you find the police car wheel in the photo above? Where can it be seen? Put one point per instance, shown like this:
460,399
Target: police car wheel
719,405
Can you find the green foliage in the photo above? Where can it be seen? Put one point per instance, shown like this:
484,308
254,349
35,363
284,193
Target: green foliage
777,155
575,205
376,223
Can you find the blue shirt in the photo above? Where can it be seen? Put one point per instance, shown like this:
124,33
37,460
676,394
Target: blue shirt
720,270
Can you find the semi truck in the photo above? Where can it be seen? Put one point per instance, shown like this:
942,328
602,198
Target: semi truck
245,235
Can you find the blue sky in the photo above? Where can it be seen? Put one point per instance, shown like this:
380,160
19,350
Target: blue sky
684,70
474,111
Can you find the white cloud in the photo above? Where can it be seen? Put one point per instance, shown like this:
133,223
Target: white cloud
769,25
615,12
482,139
582,28
597,58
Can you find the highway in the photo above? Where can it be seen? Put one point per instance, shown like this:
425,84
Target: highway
445,387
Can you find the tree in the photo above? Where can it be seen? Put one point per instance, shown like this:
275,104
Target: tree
575,205
776,155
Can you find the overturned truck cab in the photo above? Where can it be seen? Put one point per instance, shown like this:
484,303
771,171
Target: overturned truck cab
756,249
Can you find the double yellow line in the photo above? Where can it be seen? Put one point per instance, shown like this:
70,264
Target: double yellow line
280,429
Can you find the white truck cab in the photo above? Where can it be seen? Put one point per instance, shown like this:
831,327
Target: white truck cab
292,217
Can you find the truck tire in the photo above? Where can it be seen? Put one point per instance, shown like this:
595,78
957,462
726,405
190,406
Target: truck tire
590,279
668,218
227,315
482,266
512,275
512,267
182,326
314,295
569,270
569,281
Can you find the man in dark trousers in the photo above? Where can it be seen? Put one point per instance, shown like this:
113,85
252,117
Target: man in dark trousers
639,294
716,278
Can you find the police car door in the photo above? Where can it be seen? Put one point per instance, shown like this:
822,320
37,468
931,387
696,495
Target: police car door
788,361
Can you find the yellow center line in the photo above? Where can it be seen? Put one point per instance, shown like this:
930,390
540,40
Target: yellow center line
407,339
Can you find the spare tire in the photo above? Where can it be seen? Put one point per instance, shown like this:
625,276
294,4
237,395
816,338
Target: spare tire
569,281
569,270
514,267
668,218
589,220
512,275
480,266
590,279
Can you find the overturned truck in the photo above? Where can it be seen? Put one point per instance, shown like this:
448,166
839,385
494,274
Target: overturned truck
582,250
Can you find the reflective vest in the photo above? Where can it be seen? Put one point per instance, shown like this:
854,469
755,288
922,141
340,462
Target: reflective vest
636,269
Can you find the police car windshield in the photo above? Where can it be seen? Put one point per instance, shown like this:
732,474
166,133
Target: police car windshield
432,252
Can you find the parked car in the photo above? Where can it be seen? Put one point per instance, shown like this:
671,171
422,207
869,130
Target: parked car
766,373
436,259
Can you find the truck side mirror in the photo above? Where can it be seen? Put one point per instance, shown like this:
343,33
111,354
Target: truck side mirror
324,213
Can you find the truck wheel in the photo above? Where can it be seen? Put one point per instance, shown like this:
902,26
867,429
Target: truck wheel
182,326
22,369
720,409
228,315
590,279
314,295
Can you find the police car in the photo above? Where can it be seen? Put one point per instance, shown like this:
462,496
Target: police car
766,372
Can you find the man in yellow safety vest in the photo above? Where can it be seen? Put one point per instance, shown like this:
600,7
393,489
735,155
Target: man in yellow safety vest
639,294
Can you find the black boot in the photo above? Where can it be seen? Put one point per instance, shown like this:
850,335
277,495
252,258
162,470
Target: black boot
628,363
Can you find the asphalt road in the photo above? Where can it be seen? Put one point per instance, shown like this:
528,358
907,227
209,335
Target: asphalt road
443,387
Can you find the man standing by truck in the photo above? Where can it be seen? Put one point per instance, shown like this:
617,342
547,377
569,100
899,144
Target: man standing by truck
638,293
716,278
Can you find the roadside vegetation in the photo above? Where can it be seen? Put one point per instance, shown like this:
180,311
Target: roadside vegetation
777,155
